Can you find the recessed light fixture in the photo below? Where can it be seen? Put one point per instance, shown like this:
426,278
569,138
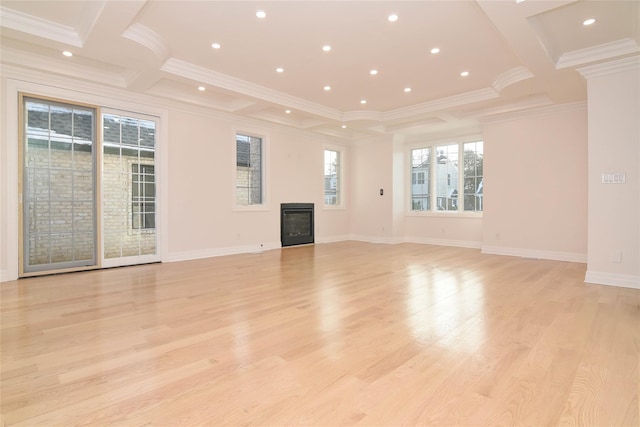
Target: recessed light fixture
435,50
279,70
201,88
407,89
373,72
464,74
261,14
287,111
393,17
588,22
344,126
326,48
327,88
67,53
363,101
216,45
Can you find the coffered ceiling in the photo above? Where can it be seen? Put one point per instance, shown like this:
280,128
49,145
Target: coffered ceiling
378,76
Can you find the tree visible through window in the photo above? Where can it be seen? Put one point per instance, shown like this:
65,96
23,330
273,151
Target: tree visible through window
449,181
332,178
248,170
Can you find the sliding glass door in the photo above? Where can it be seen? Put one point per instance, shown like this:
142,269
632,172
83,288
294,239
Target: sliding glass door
58,186
89,198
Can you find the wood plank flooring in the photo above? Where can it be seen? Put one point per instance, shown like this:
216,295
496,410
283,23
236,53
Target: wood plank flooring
334,334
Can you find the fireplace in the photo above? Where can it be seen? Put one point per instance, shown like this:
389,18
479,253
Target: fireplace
296,223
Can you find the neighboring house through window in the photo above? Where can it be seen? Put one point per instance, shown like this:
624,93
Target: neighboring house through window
332,178
249,183
440,165
143,196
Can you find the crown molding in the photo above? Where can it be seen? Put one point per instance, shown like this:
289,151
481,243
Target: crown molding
94,9
535,112
511,76
148,38
611,67
39,27
63,67
199,74
441,104
367,115
597,53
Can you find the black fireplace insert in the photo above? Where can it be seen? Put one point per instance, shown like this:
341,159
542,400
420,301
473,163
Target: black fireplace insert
296,223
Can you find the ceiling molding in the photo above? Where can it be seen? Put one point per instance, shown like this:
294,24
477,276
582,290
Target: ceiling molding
366,115
611,67
597,53
535,112
64,66
95,8
148,38
39,27
441,104
511,76
203,75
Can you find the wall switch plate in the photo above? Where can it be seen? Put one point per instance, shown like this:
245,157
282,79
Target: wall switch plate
381,192
614,178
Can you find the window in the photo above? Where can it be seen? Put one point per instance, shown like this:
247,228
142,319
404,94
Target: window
448,178
332,178
143,196
249,189
420,179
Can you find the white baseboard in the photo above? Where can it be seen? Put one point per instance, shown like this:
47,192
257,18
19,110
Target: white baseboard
612,279
444,242
534,253
5,276
216,252
332,239
376,239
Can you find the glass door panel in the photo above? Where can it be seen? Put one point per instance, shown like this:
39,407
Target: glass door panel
129,190
59,215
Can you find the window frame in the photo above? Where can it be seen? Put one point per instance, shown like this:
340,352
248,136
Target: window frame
433,145
264,205
340,178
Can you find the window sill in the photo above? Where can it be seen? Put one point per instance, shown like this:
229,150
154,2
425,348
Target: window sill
445,214
251,208
334,207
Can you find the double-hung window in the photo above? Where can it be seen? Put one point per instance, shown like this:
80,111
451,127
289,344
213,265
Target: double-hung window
447,177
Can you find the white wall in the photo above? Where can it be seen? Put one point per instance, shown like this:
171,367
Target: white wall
614,147
197,163
536,184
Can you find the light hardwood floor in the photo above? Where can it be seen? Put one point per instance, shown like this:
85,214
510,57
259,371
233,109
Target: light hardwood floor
334,334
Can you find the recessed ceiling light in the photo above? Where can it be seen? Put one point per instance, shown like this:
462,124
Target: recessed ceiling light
261,14
588,22
326,48
201,88
279,70
464,74
216,45
363,101
327,88
407,89
373,72
67,53
393,17
287,111
344,126
435,50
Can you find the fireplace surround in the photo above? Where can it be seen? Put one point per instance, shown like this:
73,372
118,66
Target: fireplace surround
296,223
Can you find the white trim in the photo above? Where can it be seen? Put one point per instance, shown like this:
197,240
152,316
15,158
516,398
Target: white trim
535,253
5,276
332,239
376,239
535,112
148,38
612,67
511,76
612,279
597,53
39,27
444,242
216,252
